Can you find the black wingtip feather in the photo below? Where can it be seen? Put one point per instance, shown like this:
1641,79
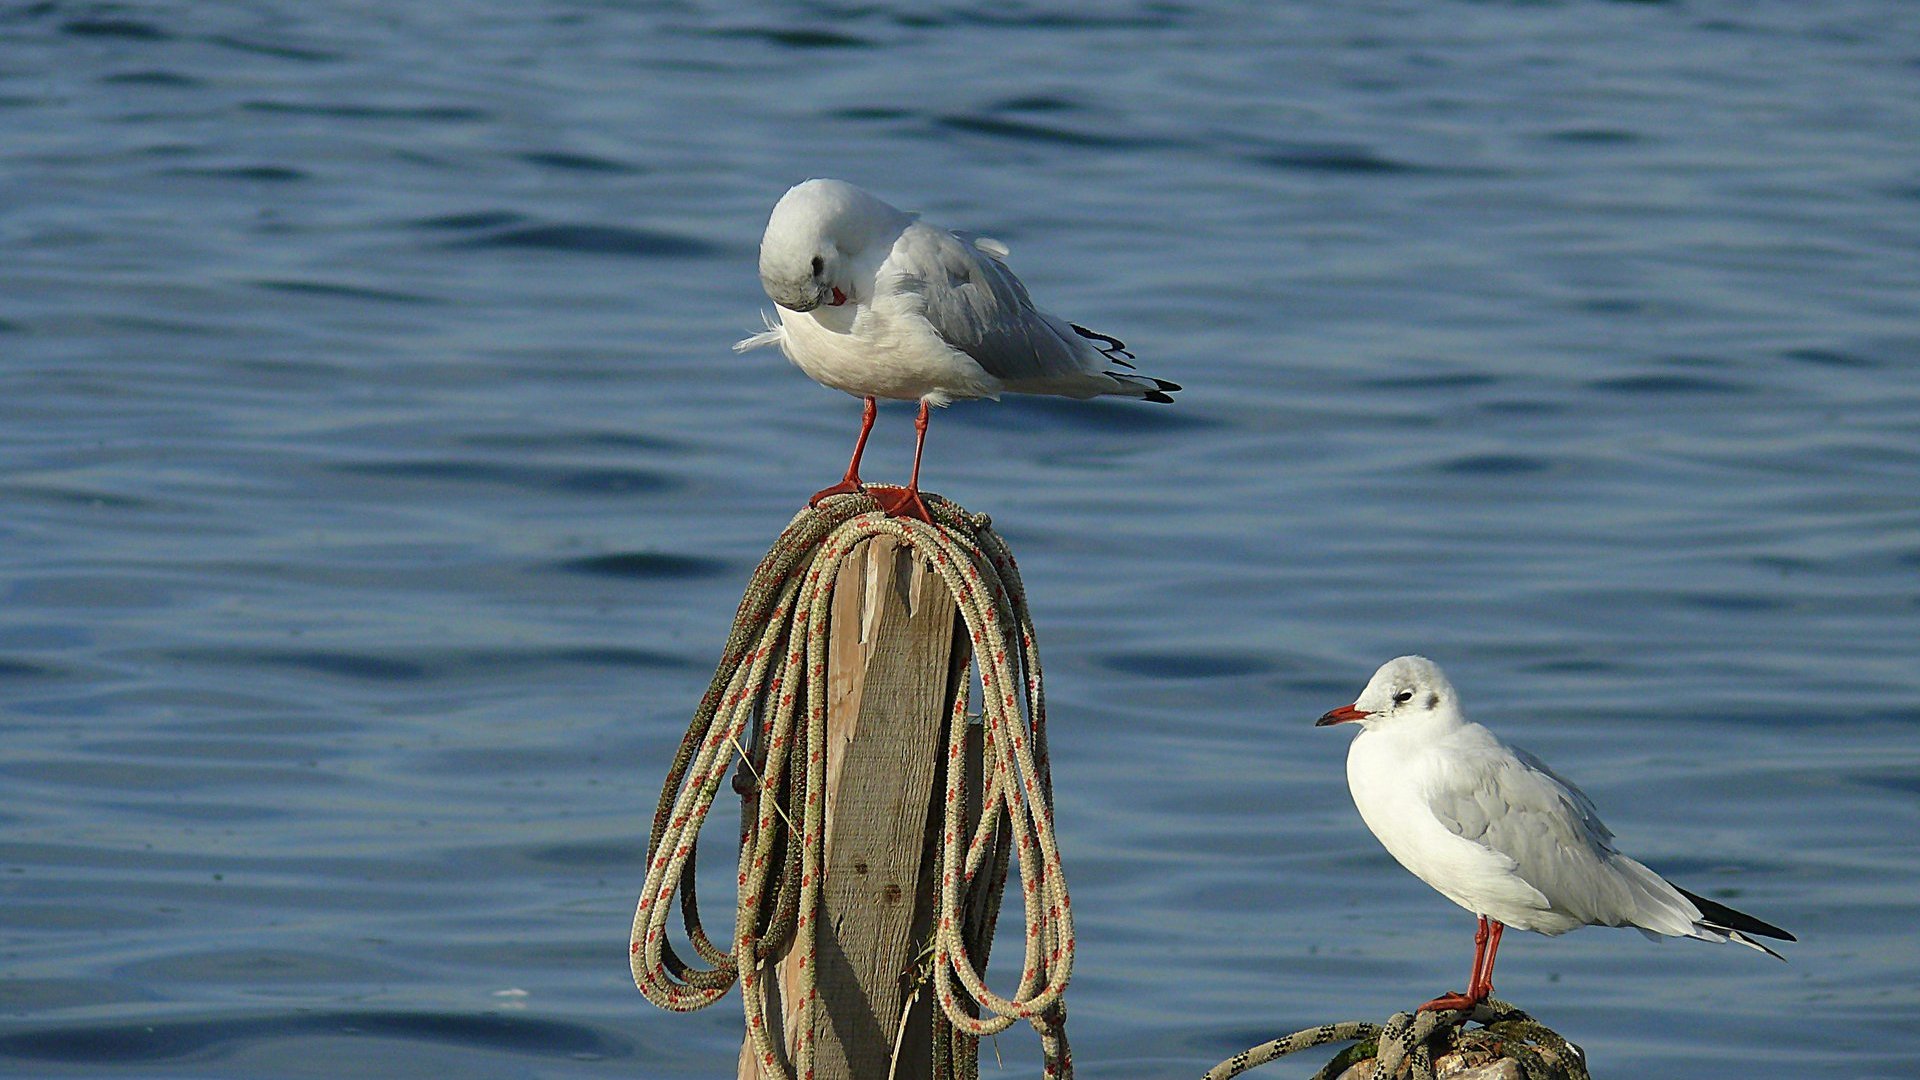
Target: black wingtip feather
1723,916
1111,347
1160,390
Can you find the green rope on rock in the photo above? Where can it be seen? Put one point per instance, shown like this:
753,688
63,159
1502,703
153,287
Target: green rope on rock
770,688
1408,1044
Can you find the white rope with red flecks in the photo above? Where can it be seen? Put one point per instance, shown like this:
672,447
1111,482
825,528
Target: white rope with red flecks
774,668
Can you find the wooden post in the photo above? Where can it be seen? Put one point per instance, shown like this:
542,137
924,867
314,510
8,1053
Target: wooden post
896,653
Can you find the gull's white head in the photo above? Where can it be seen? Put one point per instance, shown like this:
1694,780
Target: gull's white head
817,231
1405,688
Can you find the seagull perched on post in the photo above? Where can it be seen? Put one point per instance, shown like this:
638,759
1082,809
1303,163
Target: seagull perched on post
876,303
1497,832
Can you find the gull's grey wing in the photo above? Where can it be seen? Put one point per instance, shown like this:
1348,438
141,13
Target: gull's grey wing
1583,806
976,305
1509,802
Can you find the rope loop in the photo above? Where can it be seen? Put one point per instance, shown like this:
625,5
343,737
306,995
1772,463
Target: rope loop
1408,1044
773,670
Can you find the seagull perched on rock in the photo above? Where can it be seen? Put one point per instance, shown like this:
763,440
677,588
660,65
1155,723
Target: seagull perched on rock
1497,832
874,302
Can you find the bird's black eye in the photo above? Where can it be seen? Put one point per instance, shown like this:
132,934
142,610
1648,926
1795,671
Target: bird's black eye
819,264
1403,697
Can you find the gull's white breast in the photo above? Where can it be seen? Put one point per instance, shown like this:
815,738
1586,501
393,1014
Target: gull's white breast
880,345
1390,776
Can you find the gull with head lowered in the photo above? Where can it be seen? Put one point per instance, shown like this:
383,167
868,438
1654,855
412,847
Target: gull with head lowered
1497,832
878,304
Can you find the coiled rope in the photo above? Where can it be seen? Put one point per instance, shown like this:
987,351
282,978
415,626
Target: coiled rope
774,667
1409,1043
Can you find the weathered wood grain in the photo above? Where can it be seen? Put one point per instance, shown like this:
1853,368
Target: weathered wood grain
896,654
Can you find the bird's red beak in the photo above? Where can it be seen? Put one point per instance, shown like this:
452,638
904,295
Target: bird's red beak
1341,715
838,297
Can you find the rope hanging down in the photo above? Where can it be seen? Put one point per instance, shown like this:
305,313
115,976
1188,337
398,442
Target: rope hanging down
774,668
1409,1043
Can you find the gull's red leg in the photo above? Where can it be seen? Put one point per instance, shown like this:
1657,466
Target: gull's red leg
905,502
852,481
1455,1000
1481,933
1484,989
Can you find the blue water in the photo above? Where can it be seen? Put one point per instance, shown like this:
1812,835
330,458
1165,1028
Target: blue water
376,485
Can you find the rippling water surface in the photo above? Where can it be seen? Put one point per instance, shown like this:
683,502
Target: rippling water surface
376,484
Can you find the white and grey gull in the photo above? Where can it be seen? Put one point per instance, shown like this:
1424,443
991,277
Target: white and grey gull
1497,832
874,302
